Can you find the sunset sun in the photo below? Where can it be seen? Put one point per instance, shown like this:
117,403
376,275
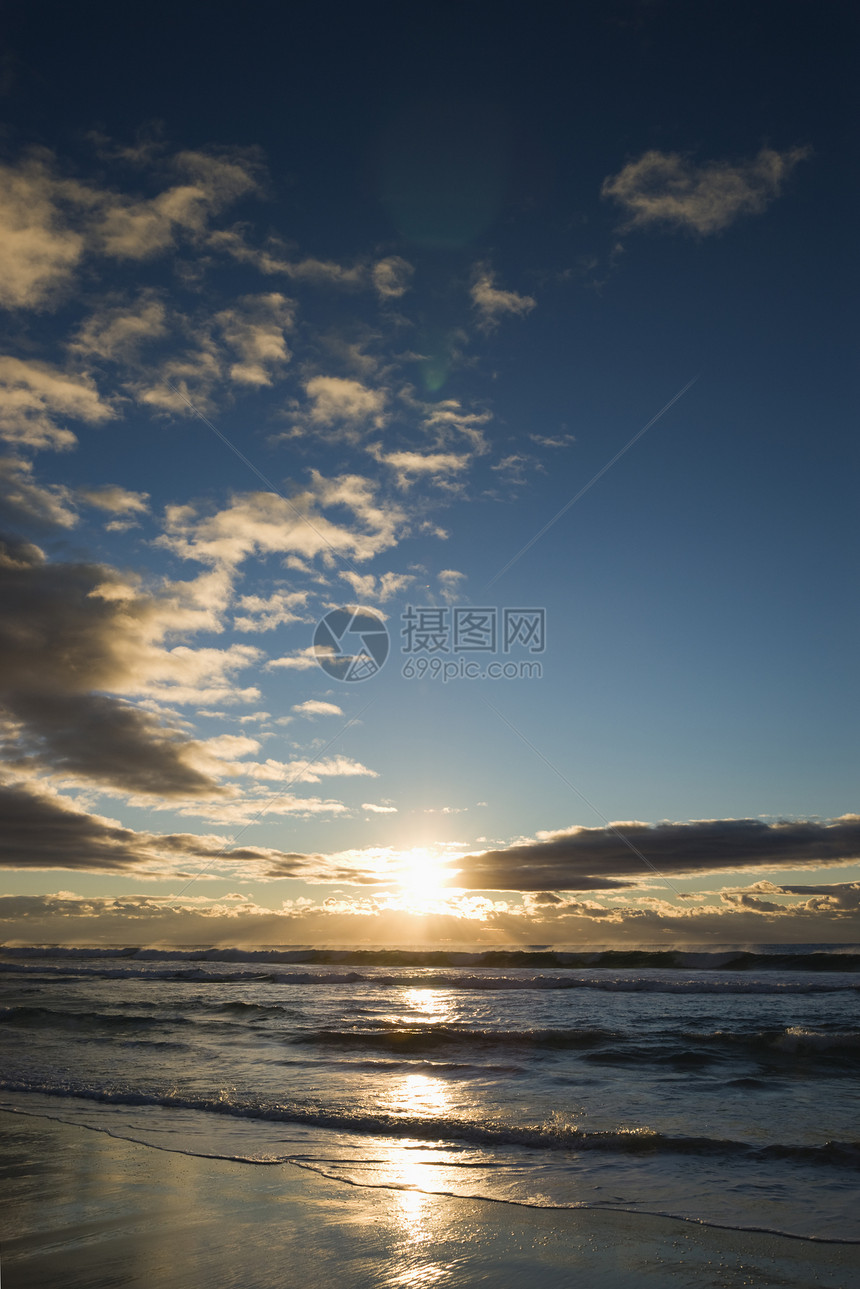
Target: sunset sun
423,875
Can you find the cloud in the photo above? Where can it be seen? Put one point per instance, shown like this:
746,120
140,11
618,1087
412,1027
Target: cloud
264,614
336,400
192,376
512,468
73,635
438,467
117,331
375,918
301,660
328,273
447,422
44,830
233,242
255,329
35,397
104,740
49,223
23,502
447,418
667,189
377,590
264,523
378,810
316,707
122,503
491,303
39,250
553,441
592,859
392,277
136,229
828,897
115,499
451,584
303,771
244,345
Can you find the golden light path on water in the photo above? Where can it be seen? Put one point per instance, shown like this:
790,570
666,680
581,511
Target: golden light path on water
413,1168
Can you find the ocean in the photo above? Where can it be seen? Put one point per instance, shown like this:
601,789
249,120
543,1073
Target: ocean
719,1087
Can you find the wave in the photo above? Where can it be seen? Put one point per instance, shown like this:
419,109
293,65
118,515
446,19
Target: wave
429,1038
695,984
552,1135
828,1047
844,957
48,1017
796,1040
833,1048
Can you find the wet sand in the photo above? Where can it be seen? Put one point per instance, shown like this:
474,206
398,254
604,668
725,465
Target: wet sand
86,1211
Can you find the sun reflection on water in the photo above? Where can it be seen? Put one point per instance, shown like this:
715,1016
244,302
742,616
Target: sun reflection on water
420,1217
430,1004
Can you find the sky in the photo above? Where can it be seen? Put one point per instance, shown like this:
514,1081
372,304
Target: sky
520,341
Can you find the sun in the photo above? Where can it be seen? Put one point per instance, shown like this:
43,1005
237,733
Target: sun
423,877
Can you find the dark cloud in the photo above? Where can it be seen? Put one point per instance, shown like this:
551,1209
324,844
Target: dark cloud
103,739
598,859
66,631
45,831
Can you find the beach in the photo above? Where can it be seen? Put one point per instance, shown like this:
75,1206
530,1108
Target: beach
85,1210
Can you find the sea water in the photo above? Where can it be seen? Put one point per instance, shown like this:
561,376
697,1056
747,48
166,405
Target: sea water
717,1087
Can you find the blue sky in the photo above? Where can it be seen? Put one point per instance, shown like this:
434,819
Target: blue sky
341,309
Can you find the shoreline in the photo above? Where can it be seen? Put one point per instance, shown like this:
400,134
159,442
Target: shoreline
86,1210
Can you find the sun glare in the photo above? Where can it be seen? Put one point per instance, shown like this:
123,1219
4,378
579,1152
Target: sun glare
422,875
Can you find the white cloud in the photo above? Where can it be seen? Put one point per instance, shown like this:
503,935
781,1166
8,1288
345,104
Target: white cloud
377,589
668,189
447,418
192,376
117,331
335,399
263,614
263,522
39,250
378,810
301,660
302,771
513,467
49,222
184,675
138,229
450,584
255,331
492,303
553,440
35,396
116,500
437,466
316,707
